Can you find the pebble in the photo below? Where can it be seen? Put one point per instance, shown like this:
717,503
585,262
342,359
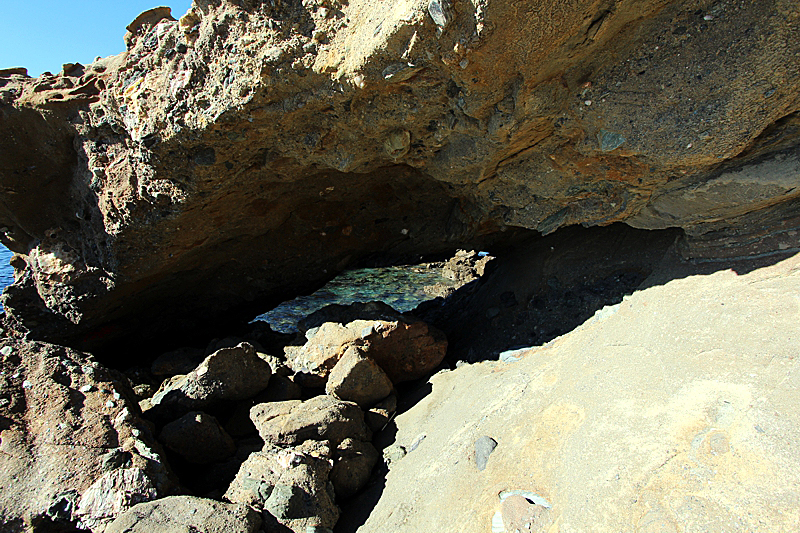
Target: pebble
484,447
438,13
393,453
86,388
417,442
6,350
27,384
110,404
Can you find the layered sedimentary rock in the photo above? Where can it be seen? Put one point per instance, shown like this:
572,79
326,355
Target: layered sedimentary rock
249,150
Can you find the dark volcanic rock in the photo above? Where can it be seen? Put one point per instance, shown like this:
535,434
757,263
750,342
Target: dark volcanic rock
252,150
198,438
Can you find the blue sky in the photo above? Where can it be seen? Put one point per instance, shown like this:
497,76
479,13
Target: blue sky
44,34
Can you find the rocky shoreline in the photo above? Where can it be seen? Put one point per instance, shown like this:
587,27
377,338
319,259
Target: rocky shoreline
624,360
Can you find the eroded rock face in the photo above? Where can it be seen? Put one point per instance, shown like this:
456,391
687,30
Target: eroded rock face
72,450
251,150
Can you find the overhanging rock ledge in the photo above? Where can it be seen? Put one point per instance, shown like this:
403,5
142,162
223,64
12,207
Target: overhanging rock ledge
249,151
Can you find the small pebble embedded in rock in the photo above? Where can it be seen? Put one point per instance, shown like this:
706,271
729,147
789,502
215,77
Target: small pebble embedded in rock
484,447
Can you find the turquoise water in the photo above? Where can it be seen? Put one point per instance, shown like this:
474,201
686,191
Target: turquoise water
6,271
399,287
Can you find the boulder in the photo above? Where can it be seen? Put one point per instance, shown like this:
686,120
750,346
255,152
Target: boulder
198,438
228,374
320,418
465,266
74,452
289,486
357,378
186,514
404,347
352,467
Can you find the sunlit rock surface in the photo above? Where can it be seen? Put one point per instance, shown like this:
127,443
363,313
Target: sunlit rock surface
249,151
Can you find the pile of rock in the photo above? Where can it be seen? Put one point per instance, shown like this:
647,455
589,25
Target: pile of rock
283,440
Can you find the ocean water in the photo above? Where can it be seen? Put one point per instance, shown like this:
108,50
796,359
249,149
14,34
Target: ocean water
6,271
399,287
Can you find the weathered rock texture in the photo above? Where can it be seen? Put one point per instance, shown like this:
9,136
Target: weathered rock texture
187,513
252,149
675,410
72,450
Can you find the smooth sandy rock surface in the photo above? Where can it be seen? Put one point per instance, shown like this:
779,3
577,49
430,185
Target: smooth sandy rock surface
675,410
187,514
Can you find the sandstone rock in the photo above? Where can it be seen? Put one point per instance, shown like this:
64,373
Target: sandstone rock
357,378
186,514
227,374
675,407
519,514
320,418
73,452
289,486
404,347
354,461
198,438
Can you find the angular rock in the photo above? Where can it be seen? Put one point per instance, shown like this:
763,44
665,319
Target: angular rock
289,486
320,418
73,452
357,378
198,438
403,346
228,374
519,514
465,266
187,514
280,389
352,468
